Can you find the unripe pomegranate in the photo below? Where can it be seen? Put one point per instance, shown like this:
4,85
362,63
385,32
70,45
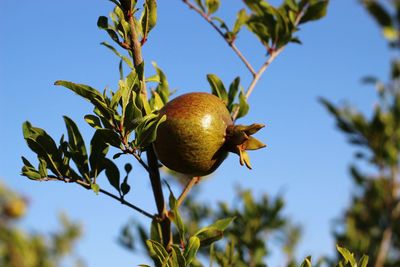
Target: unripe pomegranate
198,134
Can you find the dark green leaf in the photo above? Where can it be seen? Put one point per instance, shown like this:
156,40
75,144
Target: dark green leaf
217,87
98,152
102,22
112,174
42,168
315,11
77,147
45,147
93,121
125,188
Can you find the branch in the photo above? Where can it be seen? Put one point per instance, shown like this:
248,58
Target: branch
273,55
195,180
229,42
87,186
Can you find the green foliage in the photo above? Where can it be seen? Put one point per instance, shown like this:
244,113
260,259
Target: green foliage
23,249
370,223
232,101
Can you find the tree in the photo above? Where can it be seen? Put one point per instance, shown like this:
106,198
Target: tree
22,249
370,224
126,122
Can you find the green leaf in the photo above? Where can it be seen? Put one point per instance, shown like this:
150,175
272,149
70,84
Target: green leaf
177,256
45,147
146,132
112,174
156,231
347,255
240,21
233,90
380,14
152,4
125,188
212,6
31,173
306,262
124,58
363,261
95,188
156,102
98,152
42,168
315,11
217,87
191,249
90,94
26,162
102,22
93,121
77,147
157,251
163,86
243,106
213,232
132,114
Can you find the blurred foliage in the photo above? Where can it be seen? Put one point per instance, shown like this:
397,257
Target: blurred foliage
19,248
370,224
258,225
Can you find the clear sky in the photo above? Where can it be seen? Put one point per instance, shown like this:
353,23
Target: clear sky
306,159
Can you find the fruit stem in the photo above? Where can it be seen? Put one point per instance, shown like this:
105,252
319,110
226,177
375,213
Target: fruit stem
195,180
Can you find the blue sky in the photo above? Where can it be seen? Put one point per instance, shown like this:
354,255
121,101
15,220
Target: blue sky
306,159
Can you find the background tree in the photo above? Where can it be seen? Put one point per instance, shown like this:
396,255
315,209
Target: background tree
370,224
19,248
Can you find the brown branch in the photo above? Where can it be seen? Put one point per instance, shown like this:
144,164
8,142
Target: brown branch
386,241
221,33
152,161
195,180
105,192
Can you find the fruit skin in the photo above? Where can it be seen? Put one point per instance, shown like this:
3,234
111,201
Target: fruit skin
192,139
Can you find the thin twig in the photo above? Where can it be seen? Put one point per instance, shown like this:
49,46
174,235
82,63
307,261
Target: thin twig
187,188
273,55
126,203
220,32
105,192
